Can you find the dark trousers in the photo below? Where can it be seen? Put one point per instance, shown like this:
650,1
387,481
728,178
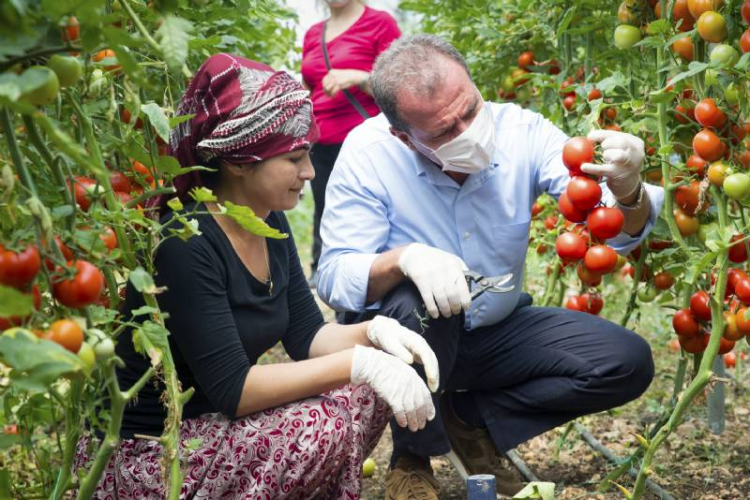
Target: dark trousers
537,369
323,157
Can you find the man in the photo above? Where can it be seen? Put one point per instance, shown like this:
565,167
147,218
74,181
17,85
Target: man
442,182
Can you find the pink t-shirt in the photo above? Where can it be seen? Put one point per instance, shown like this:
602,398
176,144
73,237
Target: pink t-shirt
355,48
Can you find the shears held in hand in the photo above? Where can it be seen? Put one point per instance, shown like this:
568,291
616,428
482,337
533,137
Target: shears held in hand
484,284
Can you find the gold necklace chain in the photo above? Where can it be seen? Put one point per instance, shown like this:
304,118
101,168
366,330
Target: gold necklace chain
269,281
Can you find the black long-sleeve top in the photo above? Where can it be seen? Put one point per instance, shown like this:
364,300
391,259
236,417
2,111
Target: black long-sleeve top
221,320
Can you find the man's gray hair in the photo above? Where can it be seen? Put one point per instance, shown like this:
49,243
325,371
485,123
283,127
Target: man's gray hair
410,65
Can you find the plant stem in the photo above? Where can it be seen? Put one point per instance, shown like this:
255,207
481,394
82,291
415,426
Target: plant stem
72,434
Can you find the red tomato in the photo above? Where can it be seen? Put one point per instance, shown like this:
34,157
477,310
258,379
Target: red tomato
570,81
610,114
742,290
709,115
687,197
605,222
734,275
82,290
600,259
143,171
72,30
594,94
696,165
724,345
657,245
550,222
700,305
109,238
576,303
742,318
569,102
571,247
536,209
686,224
588,277
685,324
583,193
745,41
745,10
684,113
594,303
708,146
19,269
681,12
738,251
569,211
663,280
525,60
120,182
81,188
693,345
674,344
730,359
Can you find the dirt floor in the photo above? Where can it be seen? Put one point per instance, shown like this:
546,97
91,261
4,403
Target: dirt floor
693,464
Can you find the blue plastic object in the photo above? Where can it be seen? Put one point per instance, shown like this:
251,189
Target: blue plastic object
481,487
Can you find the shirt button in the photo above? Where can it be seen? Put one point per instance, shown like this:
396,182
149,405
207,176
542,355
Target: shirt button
467,234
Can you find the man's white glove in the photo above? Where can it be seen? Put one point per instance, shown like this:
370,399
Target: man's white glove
406,345
439,276
623,155
397,383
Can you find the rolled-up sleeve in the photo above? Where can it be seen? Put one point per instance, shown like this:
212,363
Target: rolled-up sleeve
354,230
553,177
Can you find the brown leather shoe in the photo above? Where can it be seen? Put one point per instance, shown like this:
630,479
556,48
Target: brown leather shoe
473,452
411,480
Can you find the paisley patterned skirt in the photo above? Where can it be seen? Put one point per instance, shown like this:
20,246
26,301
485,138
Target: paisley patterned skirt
312,448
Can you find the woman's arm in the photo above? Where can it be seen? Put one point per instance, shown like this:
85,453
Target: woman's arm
334,338
268,386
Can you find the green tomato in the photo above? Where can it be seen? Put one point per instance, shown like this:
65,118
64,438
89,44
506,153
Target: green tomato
732,94
47,89
368,467
737,186
104,349
67,69
508,84
711,77
626,36
88,358
705,229
647,294
97,83
725,55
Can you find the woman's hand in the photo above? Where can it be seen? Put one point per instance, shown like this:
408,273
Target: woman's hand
397,383
406,345
339,79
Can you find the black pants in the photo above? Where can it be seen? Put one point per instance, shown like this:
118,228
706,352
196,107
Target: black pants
535,370
323,156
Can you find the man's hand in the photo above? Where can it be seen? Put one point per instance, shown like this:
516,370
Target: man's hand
339,79
406,345
439,276
623,154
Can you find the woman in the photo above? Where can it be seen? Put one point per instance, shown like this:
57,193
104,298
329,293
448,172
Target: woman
354,37
286,430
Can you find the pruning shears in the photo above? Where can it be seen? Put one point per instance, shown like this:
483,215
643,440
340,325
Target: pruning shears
485,284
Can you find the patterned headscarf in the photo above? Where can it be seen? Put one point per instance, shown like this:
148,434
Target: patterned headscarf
245,112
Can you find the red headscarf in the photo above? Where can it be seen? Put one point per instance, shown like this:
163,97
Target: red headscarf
245,112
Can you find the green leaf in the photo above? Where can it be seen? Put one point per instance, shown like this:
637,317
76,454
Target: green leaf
169,165
144,310
151,339
537,490
743,63
14,302
175,204
158,119
173,36
189,228
176,120
9,86
694,68
142,281
616,80
35,362
202,195
245,217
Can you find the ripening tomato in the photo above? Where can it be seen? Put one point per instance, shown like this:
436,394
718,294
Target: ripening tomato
109,238
709,115
19,269
700,305
82,290
583,193
609,114
525,60
605,222
688,197
569,102
663,280
564,87
693,345
576,303
712,27
72,30
82,187
142,170
698,7
594,303
696,165
684,113
685,324
594,94
550,222
734,275
745,11
686,224
718,172
738,250
730,359
570,247
569,211
120,182
104,55
684,48
66,333
536,209
742,318
600,259
731,331
587,276
708,146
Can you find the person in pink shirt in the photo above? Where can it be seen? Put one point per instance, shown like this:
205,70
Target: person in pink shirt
337,56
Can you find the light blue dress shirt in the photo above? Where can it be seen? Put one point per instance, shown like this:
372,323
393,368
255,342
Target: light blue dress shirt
382,195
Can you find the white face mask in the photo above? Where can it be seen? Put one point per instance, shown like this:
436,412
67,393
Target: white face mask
472,151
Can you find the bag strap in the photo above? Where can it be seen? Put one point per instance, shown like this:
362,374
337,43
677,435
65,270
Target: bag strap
352,100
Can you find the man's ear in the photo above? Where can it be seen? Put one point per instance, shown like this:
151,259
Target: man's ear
403,137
